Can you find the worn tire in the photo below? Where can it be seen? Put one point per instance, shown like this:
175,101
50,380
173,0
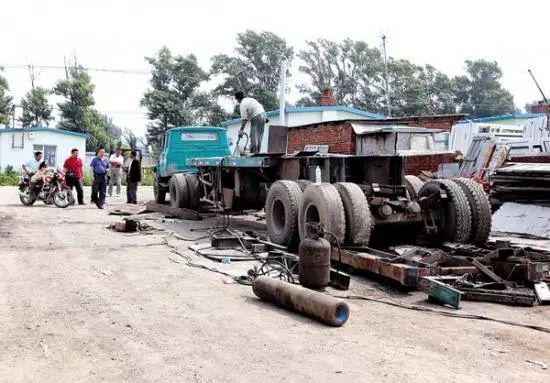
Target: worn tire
413,185
480,209
194,190
159,192
179,192
456,220
303,184
357,212
322,203
282,204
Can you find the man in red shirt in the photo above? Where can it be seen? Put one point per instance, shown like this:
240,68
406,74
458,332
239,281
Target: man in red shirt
74,171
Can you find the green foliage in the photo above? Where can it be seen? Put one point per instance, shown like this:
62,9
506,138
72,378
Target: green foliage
479,93
174,86
9,177
6,105
254,69
36,109
148,176
350,68
78,113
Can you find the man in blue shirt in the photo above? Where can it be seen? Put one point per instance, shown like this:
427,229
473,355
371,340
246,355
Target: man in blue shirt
31,167
100,166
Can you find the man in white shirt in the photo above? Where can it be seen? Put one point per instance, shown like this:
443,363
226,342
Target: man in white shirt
253,111
115,165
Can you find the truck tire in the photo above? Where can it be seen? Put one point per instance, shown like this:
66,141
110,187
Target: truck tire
194,190
179,192
322,203
303,184
413,185
159,192
480,209
357,212
455,218
281,205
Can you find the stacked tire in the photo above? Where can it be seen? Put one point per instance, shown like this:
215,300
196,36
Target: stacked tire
465,215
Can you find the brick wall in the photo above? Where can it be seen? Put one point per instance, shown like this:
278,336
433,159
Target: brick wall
338,136
414,164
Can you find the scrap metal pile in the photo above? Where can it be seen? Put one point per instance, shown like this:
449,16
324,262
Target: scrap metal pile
522,183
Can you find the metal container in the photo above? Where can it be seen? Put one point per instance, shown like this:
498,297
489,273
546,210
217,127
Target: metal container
314,259
324,308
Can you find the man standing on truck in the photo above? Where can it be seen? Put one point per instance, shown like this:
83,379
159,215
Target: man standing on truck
253,111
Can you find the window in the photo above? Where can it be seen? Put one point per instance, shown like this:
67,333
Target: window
199,136
49,152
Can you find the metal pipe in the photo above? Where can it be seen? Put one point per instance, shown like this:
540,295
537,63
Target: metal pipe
322,307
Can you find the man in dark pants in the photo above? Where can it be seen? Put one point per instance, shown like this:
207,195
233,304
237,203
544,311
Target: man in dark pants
100,166
134,176
252,111
74,170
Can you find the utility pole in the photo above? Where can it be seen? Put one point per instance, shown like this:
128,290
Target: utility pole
386,76
545,100
282,91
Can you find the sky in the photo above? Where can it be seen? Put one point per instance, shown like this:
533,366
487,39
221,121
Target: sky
118,34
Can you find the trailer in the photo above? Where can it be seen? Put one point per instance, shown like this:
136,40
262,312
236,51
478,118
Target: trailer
361,200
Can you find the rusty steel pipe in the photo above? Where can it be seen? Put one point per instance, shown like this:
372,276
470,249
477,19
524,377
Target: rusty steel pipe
322,307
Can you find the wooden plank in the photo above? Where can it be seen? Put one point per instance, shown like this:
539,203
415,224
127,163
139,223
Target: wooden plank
440,291
173,211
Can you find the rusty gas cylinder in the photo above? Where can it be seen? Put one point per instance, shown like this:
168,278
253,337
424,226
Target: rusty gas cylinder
314,259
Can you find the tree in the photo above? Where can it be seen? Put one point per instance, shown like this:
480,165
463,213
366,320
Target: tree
479,93
254,69
351,69
439,91
36,108
174,84
6,106
130,138
77,113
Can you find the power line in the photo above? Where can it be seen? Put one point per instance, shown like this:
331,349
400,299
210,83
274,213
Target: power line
88,69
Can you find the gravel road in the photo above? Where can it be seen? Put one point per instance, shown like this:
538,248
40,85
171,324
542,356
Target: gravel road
79,302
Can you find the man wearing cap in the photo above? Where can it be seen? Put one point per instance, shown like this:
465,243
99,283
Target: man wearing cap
253,111
31,167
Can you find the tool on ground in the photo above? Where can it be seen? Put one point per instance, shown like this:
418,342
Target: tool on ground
324,308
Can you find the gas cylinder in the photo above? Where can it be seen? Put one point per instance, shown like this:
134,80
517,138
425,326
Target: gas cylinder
314,259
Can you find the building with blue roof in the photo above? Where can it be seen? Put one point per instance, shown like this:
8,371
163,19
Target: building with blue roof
17,145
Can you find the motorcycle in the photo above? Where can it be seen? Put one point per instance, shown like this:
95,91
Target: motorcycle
54,190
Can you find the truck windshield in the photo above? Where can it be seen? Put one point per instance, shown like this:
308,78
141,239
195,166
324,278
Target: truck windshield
199,136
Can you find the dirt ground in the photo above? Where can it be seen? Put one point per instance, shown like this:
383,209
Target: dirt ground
81,303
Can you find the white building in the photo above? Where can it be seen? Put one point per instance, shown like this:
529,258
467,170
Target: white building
17,145
296,116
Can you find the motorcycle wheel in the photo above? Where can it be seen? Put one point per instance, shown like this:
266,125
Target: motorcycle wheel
26,199
62,198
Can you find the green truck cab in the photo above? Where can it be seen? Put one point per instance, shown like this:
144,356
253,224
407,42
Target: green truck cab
180,145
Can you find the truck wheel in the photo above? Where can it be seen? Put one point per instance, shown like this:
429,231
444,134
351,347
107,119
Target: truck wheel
322,203
179,192
303,184
194,190
356,209
455,218
281,206
413,185
480,209
158,192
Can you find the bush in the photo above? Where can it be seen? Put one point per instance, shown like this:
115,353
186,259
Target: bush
148,176
9,177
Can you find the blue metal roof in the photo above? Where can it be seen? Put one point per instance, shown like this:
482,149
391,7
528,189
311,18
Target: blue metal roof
307,109
511,116
45,129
